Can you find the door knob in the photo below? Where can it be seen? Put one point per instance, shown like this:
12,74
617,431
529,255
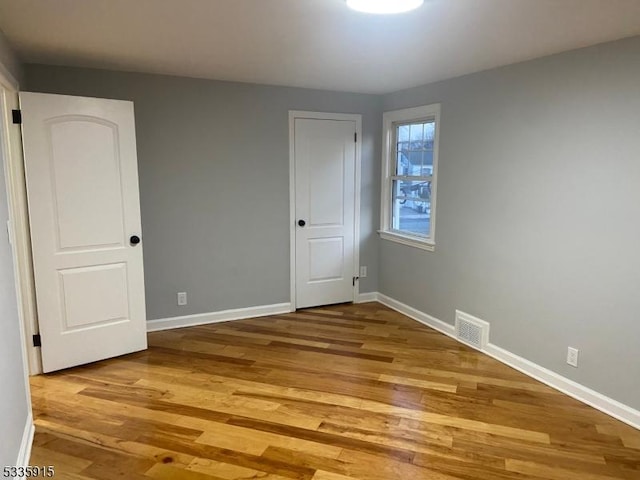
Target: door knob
302,223
134,240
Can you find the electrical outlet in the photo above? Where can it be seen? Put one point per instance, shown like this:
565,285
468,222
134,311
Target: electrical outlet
363,272
182,298
572,356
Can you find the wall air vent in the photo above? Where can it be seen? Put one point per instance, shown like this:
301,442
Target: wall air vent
471,330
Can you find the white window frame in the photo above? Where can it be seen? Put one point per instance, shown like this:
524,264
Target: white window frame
389,121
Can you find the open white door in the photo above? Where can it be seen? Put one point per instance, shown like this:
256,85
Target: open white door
82,187
324,153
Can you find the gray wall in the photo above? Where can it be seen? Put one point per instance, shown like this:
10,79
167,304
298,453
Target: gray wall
14,406
538,200
538,216
214,163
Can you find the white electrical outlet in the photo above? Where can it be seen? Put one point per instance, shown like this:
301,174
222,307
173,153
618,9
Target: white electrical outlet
572,356
363,272
182,298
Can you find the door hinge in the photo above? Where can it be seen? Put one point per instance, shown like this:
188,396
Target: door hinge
37,340
355,137
17,117
355,279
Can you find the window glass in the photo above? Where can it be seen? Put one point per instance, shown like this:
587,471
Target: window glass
411,209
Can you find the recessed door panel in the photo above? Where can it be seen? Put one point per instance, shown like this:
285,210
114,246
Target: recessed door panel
326,259
89,212
94,295
326,182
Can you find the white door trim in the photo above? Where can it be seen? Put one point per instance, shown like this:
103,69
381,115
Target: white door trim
21,235
9,146
357,118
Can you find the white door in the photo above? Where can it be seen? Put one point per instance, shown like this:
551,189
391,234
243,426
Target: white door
325,175
82,187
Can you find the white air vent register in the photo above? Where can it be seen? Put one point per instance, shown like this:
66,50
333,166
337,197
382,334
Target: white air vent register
471,330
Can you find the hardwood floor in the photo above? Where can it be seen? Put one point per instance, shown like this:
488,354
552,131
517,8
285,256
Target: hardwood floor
338,393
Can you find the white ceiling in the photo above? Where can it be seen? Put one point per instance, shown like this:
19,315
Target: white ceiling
308,43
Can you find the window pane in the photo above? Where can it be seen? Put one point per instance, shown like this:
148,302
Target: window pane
414,148
403,133
414,163
429,132
411,205
427,146
427,163
415,138
402,164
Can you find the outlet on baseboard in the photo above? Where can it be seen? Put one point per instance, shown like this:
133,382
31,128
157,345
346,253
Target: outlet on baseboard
363,271
182,298
572,356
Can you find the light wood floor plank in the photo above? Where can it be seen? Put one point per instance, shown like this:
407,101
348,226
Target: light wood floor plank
346,392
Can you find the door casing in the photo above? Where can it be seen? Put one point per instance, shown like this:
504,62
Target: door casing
19,220
299,114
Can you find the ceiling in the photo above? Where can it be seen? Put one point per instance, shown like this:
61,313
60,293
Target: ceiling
308,43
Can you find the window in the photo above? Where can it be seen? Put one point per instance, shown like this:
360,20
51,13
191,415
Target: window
410,166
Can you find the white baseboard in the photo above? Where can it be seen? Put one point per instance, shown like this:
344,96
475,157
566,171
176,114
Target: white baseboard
367,297
601,402
421,317
27,441
216,317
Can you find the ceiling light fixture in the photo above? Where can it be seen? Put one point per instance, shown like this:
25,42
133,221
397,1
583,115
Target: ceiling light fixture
384,6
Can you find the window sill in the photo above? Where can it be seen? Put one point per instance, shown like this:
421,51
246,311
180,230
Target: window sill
408,240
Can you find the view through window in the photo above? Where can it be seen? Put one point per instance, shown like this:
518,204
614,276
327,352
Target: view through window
412,181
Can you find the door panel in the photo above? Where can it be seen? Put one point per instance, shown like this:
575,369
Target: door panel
82,188
87,149
326,182
326,259
325,154
94,295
